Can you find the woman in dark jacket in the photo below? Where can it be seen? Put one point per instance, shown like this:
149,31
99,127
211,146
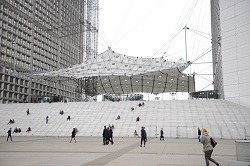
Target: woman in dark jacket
207,147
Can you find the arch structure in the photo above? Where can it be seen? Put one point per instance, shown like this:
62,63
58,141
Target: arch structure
114,73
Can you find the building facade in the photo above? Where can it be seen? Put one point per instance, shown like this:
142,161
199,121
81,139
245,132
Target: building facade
231,49
44,35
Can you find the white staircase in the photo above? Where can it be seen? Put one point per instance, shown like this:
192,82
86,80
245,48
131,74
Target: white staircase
178,118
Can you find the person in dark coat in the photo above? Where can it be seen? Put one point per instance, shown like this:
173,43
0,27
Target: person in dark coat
109,137
15,130
118,117
104,135
162,135
47,119
9,135
28,112
143,136
137,119
73,135
11,121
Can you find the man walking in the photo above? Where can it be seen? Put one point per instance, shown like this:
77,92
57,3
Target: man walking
9,135
28,111
109,136
47,120
73,135
162,135
143,136
105,135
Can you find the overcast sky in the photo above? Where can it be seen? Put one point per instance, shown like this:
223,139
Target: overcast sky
155,28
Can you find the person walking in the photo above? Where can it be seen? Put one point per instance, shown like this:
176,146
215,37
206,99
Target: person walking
199,134
162,135
73,135
9,135
28,111
109,136
104,135
207,147
143,136
47,120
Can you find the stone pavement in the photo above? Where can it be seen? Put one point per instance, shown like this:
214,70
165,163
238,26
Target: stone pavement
89,151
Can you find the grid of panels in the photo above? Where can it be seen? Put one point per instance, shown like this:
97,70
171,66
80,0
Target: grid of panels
179,119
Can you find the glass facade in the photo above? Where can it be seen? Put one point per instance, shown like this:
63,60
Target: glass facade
39,35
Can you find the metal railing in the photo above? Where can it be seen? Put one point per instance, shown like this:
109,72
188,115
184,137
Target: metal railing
192,131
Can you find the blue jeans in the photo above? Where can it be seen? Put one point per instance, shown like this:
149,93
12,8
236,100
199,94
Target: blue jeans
199,138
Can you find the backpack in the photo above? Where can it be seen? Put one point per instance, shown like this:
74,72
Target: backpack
213,142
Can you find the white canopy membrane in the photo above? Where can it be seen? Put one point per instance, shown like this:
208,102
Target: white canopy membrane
114,73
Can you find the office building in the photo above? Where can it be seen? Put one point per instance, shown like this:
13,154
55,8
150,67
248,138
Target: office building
44,35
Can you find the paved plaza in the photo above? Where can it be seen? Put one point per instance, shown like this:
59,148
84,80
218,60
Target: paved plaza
89,151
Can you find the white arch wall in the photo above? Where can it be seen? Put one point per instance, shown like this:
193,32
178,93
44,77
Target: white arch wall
180,118
235,50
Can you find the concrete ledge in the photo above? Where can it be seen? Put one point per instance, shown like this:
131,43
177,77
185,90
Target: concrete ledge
243,150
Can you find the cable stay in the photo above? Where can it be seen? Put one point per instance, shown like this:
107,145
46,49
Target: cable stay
207,86
104,36
200,63
204,74
170,41
200,75
123,21
138,23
